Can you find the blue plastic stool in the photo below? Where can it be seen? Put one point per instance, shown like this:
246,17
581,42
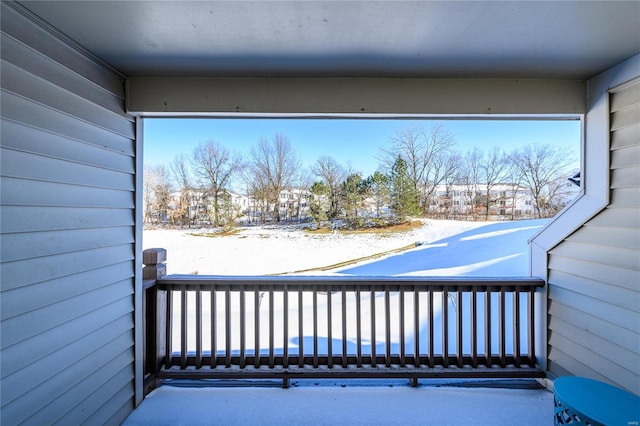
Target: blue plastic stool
581,401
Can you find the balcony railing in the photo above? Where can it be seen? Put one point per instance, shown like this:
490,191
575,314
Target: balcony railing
336,327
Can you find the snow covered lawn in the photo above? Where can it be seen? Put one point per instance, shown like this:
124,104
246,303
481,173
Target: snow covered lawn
447,248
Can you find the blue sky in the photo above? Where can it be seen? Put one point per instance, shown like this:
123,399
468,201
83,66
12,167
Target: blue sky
353,142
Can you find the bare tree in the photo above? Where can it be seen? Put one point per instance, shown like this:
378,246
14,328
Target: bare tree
273,167
332,174
183,179
148,193
215,166
157,194
425,153
538,166
493,169
442,168
470,179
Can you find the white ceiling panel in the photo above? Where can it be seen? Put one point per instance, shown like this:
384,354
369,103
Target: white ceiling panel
549,39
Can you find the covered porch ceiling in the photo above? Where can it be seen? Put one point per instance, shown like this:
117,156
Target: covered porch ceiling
502,39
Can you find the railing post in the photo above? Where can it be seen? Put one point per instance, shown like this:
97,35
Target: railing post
154,304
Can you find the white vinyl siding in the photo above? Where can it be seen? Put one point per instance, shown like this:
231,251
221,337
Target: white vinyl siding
594,275
67,225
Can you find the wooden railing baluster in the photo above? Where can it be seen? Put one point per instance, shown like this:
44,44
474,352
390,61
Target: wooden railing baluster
373,327
531,327
183,328
416,327
329,334
474,328
501,329
272,346
168,336
402,331
445,329
358,329
256,326
285,331
487,327
315,326
432,318
344,326
227,313
387,327
516,327
243,328
198,329
300,331
214,334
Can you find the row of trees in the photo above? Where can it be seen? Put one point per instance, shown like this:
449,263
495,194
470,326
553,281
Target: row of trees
414,163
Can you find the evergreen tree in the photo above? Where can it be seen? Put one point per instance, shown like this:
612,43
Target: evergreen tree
378,185
404,196
354,190
319,203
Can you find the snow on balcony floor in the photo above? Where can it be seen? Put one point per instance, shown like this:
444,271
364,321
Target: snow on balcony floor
345,403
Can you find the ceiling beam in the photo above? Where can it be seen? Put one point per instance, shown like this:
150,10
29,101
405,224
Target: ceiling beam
166,96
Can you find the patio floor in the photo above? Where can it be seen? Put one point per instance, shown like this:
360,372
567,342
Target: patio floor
310,402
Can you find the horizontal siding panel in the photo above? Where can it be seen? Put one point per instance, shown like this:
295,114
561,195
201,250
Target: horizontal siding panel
86,359
29,351
26,299
122,398
585,356
30,166
614,217
73,398
628,136
627,296
625,178
578,368
31,271
21,110
624,358
625,117
21,192
606,312
38,244
36,219
31,34
626,157
623,237
111,391
600,275
625,97
628,339
625,197
36,141
22,83
38,64
30,324
613,256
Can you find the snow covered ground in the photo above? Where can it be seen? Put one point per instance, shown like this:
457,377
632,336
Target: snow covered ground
444,248
447,248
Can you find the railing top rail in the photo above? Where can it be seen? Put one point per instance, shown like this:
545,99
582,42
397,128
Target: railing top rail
322,283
